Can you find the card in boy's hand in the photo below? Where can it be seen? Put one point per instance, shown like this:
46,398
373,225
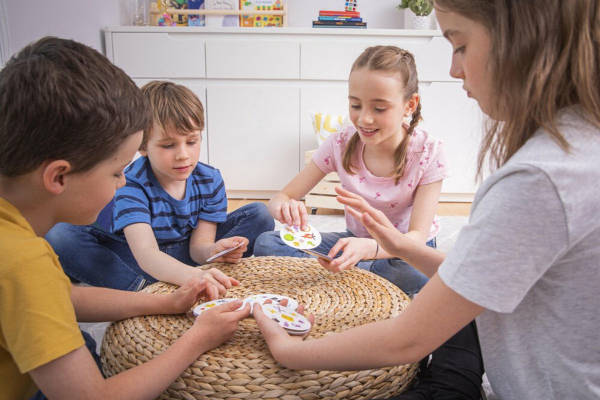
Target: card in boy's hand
317,254
307,238
222,253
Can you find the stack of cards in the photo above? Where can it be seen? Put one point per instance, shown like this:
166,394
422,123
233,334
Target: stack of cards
295,237
286,316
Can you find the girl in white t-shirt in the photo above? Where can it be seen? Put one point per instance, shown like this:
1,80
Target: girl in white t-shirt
397,167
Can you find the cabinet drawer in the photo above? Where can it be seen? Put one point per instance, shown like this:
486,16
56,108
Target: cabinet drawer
159,55
332,60
252,59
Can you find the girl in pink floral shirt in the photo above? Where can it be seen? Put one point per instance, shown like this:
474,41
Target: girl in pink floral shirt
396,167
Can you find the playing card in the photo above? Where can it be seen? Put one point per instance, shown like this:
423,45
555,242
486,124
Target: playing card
221,253
274,298
293,236
293,322
210,304
317,254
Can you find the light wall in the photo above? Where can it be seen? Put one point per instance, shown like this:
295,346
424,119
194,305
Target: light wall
83,20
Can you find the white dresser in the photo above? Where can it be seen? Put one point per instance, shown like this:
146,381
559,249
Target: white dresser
259,86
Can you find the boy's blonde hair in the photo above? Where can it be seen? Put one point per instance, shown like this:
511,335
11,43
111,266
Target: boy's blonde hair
174,107
545,56
401,62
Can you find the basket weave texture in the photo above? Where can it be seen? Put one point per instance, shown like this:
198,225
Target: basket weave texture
243,367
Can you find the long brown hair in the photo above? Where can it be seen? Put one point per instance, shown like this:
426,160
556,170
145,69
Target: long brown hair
402,62
545,56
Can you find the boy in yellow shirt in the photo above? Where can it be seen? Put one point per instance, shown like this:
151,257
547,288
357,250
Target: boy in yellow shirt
70,122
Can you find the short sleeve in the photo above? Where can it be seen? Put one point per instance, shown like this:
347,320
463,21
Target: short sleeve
132,206
214,204
324,157
516,232
437,168
36,314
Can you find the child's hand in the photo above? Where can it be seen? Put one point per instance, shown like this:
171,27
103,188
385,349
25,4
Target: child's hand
215,282
293,213
274,334
218,324
182,299
227,243
374,221
353,250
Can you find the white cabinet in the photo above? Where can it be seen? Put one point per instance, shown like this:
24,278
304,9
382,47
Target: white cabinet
259,86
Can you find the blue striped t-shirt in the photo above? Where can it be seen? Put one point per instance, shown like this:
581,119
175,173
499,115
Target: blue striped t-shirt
143,200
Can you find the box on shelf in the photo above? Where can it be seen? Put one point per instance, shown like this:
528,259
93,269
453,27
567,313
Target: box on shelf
258,21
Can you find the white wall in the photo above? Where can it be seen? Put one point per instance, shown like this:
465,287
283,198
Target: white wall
83,20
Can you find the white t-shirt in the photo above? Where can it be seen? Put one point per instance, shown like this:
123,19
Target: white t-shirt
531,256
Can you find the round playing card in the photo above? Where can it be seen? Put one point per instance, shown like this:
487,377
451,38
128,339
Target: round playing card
199,309
290,320
274,298
300,239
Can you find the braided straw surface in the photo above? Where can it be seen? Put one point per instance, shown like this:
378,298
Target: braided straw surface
243,367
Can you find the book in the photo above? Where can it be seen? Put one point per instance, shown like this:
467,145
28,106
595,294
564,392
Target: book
222,20
339,13
195,20
338,24
343,19
261,20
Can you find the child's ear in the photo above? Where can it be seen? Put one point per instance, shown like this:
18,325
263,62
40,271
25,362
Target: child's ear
411,104
53,175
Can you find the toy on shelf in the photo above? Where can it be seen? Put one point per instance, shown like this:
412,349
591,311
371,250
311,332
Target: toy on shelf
351,5
255,13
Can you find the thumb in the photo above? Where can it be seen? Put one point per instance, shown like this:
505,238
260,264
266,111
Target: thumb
231,306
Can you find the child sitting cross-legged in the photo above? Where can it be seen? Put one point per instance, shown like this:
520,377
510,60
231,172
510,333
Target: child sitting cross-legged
171,214
70,122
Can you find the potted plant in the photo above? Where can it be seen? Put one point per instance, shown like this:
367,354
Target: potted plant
418,14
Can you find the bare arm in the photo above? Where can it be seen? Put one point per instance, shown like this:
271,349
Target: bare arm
424,206
395,243
285,206
163,267
433,317
203,245
76,376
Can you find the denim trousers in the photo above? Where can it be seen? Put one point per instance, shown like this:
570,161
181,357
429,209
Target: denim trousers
93,256
394,270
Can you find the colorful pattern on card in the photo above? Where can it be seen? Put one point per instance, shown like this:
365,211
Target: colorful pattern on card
295,237
290,320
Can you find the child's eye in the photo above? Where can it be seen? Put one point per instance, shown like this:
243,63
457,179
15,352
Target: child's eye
191,143
355,106
380,109
460,49
166,146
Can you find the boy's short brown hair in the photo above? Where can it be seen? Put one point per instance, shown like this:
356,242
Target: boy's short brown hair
62,100
174,107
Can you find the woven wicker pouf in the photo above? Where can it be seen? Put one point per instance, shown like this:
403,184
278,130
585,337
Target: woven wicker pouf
243,367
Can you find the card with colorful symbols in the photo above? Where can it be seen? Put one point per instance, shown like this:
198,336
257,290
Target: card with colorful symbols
293,322
262,299
307,238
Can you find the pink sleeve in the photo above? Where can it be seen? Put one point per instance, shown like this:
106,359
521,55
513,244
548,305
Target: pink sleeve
324,157
437,168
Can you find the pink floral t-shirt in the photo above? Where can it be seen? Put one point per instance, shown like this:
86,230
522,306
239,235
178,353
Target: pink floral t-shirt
425,164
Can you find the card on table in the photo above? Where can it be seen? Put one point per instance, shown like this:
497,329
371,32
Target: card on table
293,236
261,299
222,253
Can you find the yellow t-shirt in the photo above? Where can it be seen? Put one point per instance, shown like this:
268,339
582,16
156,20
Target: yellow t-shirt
37,319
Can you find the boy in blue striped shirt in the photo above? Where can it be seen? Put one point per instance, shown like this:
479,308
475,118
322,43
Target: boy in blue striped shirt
170,215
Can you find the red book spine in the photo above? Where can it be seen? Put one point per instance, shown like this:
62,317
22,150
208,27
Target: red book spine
355,14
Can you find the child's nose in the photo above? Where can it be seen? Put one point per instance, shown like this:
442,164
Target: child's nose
456,70
182,153
366,117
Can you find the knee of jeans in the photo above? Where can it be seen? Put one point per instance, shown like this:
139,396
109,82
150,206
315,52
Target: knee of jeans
264,244
263,220
59,236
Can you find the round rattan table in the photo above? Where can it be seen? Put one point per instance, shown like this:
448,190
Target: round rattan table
243,367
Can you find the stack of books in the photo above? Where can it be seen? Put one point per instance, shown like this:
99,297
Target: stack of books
339,19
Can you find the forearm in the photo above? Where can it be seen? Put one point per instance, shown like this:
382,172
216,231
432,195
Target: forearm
420,256
163,267
201,251
150,379
95,304
374,345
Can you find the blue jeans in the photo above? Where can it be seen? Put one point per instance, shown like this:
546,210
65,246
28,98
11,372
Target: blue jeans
394,270
98,258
